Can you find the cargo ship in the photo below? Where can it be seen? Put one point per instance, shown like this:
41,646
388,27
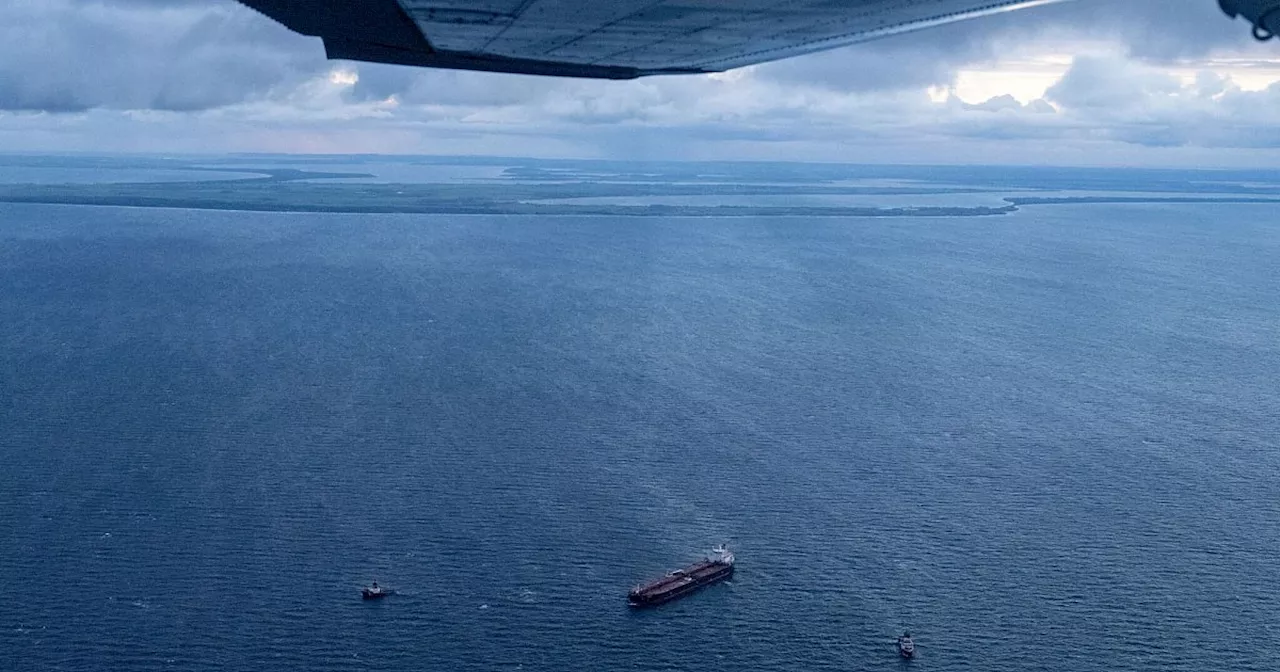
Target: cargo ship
681,582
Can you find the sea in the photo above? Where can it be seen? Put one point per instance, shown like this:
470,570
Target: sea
1044,441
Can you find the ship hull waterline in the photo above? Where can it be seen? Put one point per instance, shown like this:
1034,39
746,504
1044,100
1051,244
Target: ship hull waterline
641,598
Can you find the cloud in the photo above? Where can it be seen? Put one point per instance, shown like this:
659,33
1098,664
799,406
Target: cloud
1151,31
192,75
1112,99
998,104
70,56
1157,31
1110,83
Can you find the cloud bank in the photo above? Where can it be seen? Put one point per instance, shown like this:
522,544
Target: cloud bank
1095,81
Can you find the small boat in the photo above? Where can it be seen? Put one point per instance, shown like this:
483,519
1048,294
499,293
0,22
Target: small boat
374,592
906,647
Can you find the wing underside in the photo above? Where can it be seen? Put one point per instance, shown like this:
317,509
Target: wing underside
612,39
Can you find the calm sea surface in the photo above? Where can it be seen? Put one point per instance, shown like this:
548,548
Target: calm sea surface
1046,441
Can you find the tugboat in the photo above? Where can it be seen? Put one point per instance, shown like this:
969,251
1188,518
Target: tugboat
906,647
374,592
681,582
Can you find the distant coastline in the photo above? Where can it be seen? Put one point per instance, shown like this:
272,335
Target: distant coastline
532,189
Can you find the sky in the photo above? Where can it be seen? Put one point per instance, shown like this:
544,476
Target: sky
1089,82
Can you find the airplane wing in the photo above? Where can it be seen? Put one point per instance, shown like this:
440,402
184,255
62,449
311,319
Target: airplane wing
607,39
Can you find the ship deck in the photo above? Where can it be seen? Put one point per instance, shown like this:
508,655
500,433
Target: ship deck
694,573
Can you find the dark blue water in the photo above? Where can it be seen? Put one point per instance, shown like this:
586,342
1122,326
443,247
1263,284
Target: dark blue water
1039,442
